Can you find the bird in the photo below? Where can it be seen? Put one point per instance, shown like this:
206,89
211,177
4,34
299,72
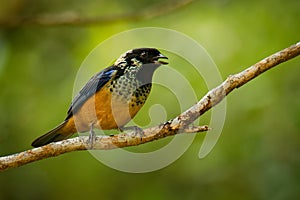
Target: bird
111,98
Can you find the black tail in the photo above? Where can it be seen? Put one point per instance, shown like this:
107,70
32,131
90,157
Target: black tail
52,136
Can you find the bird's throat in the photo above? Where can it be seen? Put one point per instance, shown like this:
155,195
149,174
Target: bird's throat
145,74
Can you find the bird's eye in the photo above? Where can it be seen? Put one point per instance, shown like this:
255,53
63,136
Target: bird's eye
144,54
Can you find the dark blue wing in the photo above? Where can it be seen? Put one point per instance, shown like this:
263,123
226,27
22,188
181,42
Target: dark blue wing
92,86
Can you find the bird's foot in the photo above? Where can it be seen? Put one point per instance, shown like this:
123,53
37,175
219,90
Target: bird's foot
136,131
92,138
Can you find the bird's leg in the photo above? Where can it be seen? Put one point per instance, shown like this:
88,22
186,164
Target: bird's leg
136,130
92,136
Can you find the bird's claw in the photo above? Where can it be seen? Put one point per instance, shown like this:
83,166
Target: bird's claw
92,138
136,131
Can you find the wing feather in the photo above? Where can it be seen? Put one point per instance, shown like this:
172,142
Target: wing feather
91,87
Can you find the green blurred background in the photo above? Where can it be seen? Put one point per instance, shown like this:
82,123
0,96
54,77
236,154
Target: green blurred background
257,155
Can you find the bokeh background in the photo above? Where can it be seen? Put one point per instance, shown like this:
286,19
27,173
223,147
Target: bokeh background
257,156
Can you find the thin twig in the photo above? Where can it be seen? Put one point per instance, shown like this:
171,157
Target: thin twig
74,19
171,127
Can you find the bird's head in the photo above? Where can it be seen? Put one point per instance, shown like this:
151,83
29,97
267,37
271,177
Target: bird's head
141,56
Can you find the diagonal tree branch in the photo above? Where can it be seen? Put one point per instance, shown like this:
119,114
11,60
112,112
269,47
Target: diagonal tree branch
74,19
177,125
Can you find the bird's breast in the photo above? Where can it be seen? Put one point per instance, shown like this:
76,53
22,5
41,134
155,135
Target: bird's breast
113,106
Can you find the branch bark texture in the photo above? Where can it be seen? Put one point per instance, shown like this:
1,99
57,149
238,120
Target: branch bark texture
180,124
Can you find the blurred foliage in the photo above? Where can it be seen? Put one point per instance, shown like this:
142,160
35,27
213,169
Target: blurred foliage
257,155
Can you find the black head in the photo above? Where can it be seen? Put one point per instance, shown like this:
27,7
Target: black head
141,56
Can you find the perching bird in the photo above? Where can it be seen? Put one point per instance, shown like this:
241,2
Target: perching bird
111,98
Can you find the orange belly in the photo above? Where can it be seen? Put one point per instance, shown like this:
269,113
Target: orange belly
105,111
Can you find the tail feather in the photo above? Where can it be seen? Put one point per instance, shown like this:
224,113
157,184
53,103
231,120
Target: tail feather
54,135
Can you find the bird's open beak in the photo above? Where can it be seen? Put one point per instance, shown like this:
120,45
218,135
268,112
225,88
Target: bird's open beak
160,56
